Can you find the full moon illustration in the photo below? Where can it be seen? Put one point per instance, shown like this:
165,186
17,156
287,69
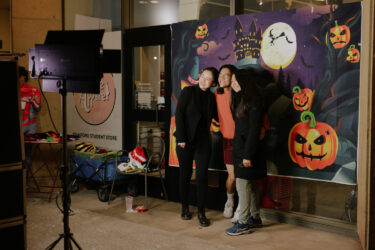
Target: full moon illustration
279,45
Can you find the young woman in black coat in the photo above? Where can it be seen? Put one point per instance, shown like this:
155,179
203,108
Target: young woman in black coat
249,163
195,109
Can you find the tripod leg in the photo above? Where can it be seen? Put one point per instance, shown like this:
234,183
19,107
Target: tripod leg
53,244
75,242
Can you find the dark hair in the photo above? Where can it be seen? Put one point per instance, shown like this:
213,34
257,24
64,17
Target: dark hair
249,95
23,72
215,74
263,78
232,69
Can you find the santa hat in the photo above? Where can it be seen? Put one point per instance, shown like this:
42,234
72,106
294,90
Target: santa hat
138,157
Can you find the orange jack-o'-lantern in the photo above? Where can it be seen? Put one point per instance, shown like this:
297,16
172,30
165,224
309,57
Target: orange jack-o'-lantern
201,31
312,144
353,54
339,36
302,98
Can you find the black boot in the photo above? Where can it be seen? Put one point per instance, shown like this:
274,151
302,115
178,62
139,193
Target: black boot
185,214
203,221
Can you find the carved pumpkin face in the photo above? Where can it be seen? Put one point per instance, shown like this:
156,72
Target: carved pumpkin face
201,31
312,144
353,54
339,36
302,98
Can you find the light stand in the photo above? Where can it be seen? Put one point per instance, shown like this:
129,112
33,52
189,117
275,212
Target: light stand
77,56
67,235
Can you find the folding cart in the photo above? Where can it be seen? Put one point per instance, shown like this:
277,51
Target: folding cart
99,169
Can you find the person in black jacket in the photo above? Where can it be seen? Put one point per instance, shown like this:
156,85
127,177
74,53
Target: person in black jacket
195,109
249,163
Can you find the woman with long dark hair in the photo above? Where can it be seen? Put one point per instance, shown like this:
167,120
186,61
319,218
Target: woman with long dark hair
195,109
223,96
248,112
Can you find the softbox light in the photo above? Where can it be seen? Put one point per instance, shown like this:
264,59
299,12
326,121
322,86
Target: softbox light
77,57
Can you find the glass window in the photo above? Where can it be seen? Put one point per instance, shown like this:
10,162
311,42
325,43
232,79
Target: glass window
149,77
214,9
155,12
326,199
109,10
106,10
253,6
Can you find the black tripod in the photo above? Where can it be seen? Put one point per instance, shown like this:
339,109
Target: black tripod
67,235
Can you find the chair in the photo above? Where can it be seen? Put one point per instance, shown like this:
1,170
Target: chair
155,148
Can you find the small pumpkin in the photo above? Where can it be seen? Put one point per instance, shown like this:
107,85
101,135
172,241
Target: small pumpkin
312,145
201,31
302,98
353,54
339,35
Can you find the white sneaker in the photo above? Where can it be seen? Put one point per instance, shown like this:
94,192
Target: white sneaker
236,215
228,209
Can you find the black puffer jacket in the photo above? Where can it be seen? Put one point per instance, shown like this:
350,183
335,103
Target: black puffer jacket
189,112
247,144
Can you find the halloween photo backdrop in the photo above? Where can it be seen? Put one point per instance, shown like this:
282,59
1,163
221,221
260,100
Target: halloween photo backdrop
309,59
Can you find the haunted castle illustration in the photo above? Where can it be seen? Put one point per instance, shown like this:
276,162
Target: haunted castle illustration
247,46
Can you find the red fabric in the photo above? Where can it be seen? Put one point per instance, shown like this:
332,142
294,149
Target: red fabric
138,155
228,151
30,103
225,115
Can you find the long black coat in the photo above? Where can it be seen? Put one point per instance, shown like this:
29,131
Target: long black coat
189,112
247,144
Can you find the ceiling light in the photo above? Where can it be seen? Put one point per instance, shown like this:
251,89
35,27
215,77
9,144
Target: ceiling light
155,57
154,1
260,2
142,2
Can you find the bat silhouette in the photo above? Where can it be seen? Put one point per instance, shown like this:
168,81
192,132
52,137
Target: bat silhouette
226,35
305,64
223,58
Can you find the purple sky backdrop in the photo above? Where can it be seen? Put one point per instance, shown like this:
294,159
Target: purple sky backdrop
300,20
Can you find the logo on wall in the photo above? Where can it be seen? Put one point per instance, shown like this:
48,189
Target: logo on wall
95,109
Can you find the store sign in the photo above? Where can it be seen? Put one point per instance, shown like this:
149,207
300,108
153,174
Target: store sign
97,118
96,108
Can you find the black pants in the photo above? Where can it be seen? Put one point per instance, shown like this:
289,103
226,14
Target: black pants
200,152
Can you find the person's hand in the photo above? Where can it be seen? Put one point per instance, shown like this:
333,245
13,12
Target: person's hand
246,163
182,144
